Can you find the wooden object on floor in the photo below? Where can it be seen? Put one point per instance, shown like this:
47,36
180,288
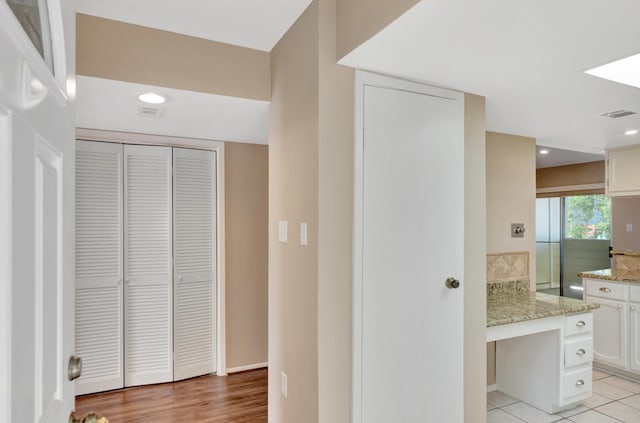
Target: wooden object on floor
237,398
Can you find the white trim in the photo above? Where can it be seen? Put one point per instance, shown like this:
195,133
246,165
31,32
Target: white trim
247,367
581,187
221,333
5,264
362,79
491,388
218,147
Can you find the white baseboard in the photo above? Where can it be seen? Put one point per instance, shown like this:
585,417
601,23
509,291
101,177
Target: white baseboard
491,388
247,367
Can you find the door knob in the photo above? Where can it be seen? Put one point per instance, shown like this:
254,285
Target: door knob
75,367
452,283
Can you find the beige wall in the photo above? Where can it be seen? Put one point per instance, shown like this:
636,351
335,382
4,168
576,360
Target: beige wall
577,174
511,198
246,207
511,195
335,152
475,242
293,196
359,20
125,52
623,211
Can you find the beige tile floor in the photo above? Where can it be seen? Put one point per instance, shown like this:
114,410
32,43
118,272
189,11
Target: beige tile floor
614,400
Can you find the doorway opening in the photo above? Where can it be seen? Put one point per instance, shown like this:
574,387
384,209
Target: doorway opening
573,234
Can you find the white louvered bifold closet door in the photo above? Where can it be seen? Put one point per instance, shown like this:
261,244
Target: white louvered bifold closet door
147,268
98,313
194,229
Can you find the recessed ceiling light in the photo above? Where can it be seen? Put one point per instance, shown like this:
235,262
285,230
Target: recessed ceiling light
625,71
152,98
631,132
544,151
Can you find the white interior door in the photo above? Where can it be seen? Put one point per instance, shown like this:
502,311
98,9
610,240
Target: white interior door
36,210
408,324
99,269
148,321
194,229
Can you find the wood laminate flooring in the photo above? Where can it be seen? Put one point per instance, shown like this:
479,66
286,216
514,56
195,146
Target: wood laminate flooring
237,398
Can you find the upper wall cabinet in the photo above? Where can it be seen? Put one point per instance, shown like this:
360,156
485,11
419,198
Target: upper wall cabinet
623,172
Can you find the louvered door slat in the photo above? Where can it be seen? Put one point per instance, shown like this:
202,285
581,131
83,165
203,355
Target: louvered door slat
194,201
148,275
98,310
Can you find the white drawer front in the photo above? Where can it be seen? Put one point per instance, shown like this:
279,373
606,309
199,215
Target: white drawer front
635,293
577,383
605,289
578,324
578,352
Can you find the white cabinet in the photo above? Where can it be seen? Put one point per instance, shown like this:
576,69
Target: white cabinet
610,332
615,323
634,336
623,178
559,353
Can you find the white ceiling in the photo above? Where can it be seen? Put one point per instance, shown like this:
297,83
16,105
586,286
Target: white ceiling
113,105
527,57
257,24
559,157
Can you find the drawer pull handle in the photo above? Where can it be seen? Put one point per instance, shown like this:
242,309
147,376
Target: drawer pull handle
581,352
580,383
619,305
605,289
581,324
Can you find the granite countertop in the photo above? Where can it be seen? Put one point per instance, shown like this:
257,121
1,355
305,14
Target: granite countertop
618,275
625,253
504,309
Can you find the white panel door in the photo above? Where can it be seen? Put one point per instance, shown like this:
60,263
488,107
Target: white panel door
99,294
37,45
409,347
148,321
194,232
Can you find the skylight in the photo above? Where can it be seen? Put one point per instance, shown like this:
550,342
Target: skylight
625,71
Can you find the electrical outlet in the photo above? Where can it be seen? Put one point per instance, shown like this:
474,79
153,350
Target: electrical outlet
629,227
283,384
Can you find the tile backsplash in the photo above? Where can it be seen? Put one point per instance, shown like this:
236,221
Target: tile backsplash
626,262
511,266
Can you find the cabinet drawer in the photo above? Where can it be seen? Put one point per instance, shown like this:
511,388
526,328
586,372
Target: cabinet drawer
634,294
577,383
578,352
578,324
604,289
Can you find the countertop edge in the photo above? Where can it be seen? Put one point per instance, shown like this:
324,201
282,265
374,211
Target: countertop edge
525,318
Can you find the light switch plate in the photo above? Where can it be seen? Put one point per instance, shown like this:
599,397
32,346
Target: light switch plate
303,234
283,229
629,227
283,384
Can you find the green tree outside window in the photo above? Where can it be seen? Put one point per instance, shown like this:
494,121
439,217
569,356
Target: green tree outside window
588,217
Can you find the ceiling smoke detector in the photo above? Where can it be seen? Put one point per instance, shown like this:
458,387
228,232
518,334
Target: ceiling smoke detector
618,113
148,111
